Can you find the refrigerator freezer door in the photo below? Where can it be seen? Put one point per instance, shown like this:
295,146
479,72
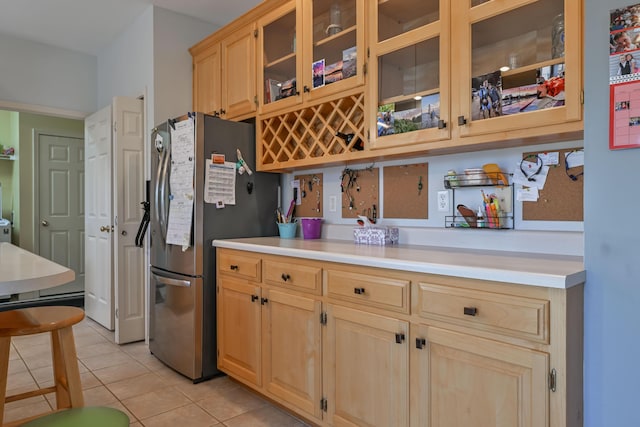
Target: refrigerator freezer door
176,322
164,256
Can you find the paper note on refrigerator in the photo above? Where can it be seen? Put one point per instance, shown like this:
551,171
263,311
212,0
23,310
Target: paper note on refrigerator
181,184
220,183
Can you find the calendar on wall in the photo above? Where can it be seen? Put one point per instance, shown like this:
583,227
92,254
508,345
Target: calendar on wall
624,78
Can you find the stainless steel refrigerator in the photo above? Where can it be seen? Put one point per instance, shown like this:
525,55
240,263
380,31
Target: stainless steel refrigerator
183,284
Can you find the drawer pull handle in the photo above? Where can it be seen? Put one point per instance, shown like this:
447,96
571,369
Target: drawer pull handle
470,311
234,267
420,343
285,277
263,301
399,338
359,291
254,298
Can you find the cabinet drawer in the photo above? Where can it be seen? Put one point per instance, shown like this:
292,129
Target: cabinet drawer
239,264
300,277
375,291
504,314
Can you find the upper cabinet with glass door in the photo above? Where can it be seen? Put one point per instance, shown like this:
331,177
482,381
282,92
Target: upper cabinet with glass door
333,35
409,82
517,65
279,60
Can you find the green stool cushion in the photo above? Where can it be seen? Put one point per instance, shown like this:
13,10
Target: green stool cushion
96,416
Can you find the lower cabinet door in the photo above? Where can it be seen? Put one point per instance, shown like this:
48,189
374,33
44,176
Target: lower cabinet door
459,380
291,350
239,329
366,365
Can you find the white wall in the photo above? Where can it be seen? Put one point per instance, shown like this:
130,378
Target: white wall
37,74
612,239
125,67
173,35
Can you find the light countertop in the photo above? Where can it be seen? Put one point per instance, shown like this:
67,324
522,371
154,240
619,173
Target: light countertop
552,271
24,271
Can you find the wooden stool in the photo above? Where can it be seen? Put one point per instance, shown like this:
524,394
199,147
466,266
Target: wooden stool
96,416
59,321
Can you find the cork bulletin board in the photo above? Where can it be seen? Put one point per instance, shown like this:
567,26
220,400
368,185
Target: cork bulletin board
562,198
311,196
360,192
406,191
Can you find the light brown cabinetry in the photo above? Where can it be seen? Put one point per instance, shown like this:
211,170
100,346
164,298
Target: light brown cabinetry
366,368
538,47
409,82
239,72
312,66
470,73
292,350
345,345
269,337
427,76
458,379
224,79
239,329
207,94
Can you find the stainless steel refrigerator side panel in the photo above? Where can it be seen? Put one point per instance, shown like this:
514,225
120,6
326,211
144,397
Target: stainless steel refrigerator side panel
176,334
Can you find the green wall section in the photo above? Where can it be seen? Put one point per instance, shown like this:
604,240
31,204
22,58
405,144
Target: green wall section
8,168
17,193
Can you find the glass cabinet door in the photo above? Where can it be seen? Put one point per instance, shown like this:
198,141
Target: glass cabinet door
280,65
410,82
515,76
334,38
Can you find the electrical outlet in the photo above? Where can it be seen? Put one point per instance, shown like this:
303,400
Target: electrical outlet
333,201
443,201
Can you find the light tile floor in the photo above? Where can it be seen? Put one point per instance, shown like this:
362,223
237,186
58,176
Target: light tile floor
129,378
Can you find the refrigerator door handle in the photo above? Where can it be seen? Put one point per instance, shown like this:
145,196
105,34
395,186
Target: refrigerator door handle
161,194
171,282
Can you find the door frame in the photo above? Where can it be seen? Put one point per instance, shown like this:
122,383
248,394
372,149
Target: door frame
35,176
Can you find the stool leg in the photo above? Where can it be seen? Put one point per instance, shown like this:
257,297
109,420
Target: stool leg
65,369
5,348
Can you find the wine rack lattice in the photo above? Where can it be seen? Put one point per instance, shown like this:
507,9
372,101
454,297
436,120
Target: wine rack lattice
303,136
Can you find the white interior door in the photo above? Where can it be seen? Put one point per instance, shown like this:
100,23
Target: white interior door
129,193
98,291
60,223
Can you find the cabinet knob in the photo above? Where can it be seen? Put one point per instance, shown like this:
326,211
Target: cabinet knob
462,121
358,291
263,301
234,267
442,124
306,89
285,277
420,343
470,311
399,338
254,298
223,111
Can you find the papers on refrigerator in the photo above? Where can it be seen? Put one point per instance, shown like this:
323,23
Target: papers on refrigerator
220,183
181,184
